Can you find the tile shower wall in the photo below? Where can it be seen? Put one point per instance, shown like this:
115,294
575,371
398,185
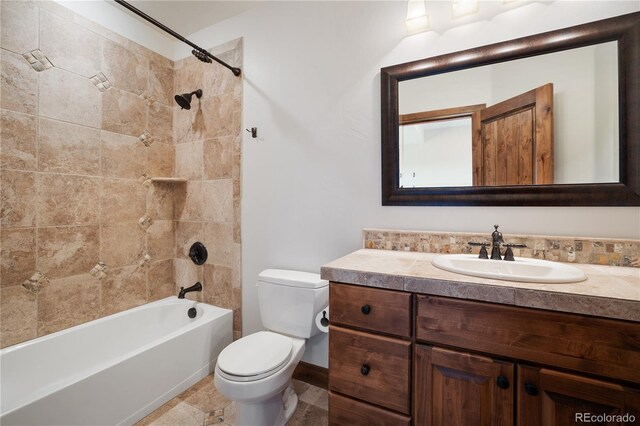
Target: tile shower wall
208,154
560,249
87,119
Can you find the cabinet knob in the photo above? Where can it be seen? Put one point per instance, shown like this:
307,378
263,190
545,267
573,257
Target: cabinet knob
364,370
502,382
531,389
366,309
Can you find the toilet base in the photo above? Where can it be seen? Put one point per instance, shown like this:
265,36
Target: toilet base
275,411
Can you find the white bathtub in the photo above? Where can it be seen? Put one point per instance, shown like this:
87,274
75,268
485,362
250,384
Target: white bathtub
114,370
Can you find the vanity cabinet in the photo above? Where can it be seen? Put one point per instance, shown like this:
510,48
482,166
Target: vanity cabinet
537,344
457,388
369,356
402,358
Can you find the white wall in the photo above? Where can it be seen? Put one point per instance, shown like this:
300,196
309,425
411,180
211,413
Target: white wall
436,154
311,181
115,18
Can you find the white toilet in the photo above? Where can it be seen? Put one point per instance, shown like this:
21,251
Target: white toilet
255,371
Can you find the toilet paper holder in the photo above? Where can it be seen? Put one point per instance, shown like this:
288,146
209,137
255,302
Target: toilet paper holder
324,321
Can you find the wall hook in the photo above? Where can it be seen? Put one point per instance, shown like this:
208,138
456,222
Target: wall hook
253,131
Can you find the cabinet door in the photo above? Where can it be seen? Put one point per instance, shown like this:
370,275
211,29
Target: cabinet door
551,398
460,389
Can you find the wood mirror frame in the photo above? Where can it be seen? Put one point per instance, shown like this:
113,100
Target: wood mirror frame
624,29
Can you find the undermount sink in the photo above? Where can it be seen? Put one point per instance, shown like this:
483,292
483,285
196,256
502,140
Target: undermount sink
521,269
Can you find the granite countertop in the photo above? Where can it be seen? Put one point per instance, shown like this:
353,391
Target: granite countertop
609,291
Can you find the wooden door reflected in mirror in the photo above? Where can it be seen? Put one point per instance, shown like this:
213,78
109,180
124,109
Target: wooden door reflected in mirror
513,141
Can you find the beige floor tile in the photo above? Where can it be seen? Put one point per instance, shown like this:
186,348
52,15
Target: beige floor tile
309,415
205,397
159,412
182,414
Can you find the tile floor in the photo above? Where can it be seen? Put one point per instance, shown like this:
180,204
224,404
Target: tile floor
203,405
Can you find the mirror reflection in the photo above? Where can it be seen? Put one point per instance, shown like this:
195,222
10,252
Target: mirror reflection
548,119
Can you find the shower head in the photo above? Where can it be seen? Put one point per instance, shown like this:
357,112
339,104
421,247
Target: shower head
184,100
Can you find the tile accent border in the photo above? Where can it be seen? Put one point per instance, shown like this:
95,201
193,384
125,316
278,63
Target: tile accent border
146,138
36,282
101,81
595,251
99,271
38,60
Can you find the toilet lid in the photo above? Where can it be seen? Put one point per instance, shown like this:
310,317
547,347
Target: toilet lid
258,354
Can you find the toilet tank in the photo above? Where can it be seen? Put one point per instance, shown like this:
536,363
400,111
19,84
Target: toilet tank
290,300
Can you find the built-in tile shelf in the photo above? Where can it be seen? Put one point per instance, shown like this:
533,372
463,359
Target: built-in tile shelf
168,180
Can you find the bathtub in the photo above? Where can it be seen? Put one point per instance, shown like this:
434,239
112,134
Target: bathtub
114,370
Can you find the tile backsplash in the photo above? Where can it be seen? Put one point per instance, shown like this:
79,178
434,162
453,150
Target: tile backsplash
596,251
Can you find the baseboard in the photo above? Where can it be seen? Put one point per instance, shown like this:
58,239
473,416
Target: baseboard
312,374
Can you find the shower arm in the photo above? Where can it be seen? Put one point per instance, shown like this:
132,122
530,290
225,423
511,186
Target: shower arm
236,71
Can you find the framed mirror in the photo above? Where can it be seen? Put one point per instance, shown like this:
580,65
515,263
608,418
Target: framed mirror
546,120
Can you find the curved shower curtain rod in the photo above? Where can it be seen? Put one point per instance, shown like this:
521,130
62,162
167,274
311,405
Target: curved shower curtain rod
198,51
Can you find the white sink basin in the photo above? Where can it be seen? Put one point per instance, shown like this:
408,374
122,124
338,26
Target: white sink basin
522,269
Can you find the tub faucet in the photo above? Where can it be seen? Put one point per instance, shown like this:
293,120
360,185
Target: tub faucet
196,287
496,242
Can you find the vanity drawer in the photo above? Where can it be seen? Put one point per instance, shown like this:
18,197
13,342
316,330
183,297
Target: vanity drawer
600,346
372,368
346,411
383,311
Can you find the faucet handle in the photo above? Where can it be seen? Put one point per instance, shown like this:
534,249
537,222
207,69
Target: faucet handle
483,249
508,255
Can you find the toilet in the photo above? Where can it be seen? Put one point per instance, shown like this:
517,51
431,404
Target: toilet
255,371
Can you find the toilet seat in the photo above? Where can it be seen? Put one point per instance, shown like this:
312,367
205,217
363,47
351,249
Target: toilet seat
255,357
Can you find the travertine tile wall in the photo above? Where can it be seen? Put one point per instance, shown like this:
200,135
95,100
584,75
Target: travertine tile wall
87,118
208,153
597,251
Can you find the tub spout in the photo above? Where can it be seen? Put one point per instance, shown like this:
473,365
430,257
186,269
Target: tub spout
196,287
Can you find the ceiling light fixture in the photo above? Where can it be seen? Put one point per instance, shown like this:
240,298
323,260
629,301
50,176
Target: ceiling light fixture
463,7
417,18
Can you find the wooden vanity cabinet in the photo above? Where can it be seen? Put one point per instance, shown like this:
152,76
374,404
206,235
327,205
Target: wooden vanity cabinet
369,356
477,389
439,361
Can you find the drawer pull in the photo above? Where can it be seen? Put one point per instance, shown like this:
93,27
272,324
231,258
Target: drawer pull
502,382
364,370
366,309
531,389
